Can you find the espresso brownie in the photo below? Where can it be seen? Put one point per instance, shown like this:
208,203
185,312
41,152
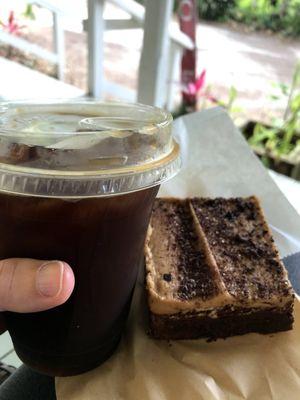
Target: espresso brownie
213,270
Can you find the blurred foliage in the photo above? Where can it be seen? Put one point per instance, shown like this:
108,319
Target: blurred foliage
211,10
216,10
275,15
283,137
28,12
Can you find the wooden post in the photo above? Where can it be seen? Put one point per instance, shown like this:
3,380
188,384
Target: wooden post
152,82
95,47
188,20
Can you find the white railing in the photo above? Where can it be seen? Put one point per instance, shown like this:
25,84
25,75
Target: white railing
57,56
163,44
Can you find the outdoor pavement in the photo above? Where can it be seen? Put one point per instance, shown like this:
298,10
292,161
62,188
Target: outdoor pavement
232,56
250,61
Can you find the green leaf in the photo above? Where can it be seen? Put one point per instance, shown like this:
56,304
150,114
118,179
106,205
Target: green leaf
28,13
262,134
277,123
284,88
295,103
274,97
231,97
236,109
266,161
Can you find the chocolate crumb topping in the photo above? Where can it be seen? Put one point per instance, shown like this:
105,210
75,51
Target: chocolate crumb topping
213,271
242,247
206,252
167,277
194,274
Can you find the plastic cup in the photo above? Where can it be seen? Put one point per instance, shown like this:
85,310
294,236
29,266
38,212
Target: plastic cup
77,184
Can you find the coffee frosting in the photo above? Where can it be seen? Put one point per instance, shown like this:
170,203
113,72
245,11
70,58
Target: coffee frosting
202,254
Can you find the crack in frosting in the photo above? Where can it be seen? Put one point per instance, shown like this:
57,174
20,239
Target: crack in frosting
203,254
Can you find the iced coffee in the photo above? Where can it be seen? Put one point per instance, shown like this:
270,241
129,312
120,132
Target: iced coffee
77,184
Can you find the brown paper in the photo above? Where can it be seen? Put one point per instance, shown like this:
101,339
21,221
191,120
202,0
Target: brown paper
252,367
217,162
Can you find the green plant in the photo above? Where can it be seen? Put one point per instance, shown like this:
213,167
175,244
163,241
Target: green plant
228,104
211,10
12,24
215,10
205,98
283,138
275,15
29,13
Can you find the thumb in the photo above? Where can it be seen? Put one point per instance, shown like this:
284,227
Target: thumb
28,285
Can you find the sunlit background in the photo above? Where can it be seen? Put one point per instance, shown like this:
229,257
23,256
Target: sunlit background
246,53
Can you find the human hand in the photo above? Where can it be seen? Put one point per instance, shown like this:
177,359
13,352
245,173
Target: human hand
28,285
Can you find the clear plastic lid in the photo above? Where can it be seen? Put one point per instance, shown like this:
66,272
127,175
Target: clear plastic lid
84,148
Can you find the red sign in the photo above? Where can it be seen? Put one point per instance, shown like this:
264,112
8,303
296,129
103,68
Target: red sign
188,19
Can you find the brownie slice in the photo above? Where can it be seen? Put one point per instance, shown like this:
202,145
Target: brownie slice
213,270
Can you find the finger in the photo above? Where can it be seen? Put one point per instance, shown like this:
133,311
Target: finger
28,285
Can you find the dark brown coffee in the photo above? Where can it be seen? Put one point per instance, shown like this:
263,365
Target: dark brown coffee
102,240
77,184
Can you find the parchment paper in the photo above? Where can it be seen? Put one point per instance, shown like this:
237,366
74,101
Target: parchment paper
217,162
